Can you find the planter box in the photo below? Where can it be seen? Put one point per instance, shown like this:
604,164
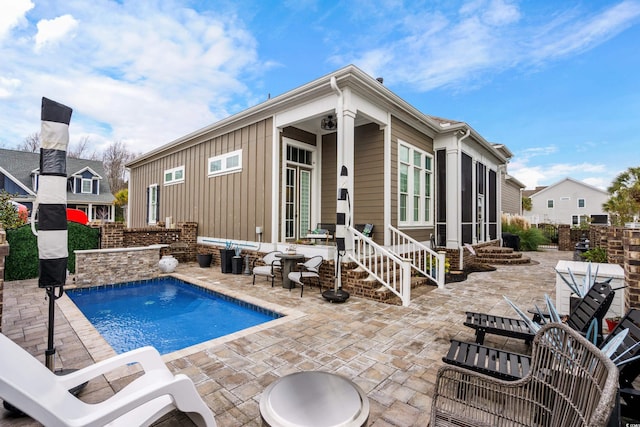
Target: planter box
204,260
578,268
226,255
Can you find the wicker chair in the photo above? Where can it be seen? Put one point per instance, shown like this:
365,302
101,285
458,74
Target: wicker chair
571,383
270,267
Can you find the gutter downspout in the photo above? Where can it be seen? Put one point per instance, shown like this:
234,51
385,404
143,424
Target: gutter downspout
459,143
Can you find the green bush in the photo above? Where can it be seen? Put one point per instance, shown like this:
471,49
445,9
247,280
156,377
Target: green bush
23,263
596,255
530,238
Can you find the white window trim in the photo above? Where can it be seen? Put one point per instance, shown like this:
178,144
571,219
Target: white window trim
409,209
82,182
584,202
152,210
173,179
553,204
223,158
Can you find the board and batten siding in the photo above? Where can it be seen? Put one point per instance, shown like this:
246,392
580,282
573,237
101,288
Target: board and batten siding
369,179
404,132
225,206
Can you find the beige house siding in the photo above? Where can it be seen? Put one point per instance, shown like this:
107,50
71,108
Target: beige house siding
408,134
511,202
369,178
226,206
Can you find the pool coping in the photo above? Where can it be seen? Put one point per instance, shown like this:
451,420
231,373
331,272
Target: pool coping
99,349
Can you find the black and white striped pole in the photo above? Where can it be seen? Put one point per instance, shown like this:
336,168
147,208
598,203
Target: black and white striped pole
51,208
337,294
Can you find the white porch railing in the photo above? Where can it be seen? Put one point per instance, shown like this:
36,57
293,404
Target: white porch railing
392,271
423,259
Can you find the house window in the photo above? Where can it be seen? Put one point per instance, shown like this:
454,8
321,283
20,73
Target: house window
581,203
415,186
550,203
86,185
152,204
225,163
174,176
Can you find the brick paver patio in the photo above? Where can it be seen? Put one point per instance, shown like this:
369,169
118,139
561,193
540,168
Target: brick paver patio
393,353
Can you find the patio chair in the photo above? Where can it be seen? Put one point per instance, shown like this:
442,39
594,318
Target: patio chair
594,305
33,389
310,270
571,384
271,266
510,366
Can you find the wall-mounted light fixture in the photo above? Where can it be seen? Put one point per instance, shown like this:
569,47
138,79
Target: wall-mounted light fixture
329,123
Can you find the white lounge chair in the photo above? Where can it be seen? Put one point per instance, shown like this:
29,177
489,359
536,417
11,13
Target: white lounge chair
29,386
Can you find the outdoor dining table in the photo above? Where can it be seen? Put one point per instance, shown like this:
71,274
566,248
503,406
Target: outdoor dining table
289,262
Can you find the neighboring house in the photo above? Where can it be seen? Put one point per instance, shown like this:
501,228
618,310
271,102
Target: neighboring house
567,202
511,195
87,187
271,173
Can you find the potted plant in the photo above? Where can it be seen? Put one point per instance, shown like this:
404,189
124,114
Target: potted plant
226,255
236,261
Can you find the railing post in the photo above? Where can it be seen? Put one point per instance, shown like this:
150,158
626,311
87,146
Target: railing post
406,282
441,260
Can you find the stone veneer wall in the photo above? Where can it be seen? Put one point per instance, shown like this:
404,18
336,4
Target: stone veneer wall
4,251
631,243
110,266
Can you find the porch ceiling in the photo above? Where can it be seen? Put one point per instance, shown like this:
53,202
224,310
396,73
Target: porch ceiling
312,124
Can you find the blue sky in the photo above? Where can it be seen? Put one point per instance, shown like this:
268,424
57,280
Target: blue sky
557,82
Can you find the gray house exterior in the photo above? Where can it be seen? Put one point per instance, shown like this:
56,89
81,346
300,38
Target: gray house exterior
87,187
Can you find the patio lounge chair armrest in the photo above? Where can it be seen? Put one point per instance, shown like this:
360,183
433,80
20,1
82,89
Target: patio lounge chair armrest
149,400
148,357
456,396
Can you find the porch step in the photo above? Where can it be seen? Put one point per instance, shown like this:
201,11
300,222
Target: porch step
500,255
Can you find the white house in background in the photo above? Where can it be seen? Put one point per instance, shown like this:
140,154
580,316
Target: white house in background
568,202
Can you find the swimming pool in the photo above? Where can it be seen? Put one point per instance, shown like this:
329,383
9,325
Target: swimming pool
166,313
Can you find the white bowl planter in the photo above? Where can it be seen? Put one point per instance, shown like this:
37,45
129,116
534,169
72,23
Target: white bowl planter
167,264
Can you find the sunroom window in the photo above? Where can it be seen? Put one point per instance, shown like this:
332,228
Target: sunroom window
415,202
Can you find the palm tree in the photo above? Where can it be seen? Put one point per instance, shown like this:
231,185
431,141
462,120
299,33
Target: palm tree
624,197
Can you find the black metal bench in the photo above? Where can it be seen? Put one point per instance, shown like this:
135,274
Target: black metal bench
594,305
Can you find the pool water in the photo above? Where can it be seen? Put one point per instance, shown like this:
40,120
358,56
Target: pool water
166,313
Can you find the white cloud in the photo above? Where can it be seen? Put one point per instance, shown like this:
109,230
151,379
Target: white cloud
132,72
52,31
13,14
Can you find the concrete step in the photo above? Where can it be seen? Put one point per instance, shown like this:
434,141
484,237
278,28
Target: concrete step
505,261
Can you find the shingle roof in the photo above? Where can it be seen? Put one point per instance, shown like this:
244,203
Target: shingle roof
20,164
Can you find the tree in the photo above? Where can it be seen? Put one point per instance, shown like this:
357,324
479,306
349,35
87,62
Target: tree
9,216
526,204
122,198
624,197
79,151
31,143
114,159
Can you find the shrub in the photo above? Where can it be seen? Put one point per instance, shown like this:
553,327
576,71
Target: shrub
530,237
23,262
596,255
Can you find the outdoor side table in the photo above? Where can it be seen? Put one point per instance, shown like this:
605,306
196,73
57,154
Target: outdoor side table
289,261
314,399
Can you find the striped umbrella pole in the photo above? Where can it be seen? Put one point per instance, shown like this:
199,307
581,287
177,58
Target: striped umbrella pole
342,222
51,206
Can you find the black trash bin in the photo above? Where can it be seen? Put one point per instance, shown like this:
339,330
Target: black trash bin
226,255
